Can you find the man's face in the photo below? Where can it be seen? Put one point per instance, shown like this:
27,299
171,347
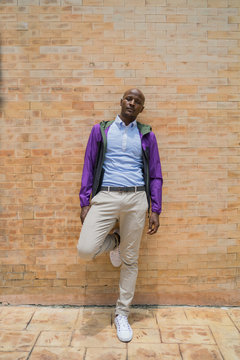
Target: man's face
132,105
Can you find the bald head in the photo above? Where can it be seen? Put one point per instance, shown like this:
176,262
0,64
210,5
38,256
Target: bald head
135,91
132,104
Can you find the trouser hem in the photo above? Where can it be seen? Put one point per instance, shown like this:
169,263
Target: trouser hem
121,312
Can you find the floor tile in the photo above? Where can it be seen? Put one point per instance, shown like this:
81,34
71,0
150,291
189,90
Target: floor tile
54,319
153,352
106,354
205,316
186,334
96,317
142,318
237,324
200,352
228,341
147,336
58,353
54,338
170,316
15,318
15,355
17,340
93,337
234,314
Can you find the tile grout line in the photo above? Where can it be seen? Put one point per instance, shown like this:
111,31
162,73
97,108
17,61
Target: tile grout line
71,338
233,322
37,336
216,342
185,313
30,320
160,334
28,357
85,353
180,352
78,315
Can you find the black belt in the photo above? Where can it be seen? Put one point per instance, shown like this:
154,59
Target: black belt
123,188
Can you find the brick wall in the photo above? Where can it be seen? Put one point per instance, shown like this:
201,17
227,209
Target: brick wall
64,66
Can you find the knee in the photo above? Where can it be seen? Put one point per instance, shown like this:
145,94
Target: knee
85,253
129,261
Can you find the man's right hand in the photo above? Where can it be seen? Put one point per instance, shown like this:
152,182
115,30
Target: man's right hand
84,211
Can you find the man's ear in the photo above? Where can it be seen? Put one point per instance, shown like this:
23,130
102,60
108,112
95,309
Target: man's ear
121,102
142,109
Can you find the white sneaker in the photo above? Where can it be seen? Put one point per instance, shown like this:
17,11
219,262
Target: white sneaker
124,330
115,255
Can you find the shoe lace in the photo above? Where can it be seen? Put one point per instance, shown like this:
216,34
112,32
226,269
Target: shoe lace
116,252
123,322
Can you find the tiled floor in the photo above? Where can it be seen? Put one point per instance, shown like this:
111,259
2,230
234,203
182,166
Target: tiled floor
164,333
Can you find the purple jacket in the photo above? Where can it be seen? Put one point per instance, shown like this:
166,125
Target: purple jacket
93,164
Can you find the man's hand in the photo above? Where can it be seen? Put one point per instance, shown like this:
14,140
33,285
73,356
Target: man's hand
84,211
153,223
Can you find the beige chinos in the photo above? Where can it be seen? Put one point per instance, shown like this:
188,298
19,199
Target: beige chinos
129,208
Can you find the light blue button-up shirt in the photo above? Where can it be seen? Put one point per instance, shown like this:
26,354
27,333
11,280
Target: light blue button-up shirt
123,160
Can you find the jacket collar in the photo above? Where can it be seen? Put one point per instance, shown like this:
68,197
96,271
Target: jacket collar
143,128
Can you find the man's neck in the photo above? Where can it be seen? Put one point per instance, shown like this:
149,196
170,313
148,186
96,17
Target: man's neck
126,121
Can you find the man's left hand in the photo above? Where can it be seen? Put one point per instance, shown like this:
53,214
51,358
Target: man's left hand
153,223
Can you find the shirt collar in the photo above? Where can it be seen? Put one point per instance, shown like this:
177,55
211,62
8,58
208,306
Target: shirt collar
121,124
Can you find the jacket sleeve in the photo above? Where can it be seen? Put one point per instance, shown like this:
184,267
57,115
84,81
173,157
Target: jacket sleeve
155,176
89,165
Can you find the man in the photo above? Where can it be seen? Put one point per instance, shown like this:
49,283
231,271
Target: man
122,174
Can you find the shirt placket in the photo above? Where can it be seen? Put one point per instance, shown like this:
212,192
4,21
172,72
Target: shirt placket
124,138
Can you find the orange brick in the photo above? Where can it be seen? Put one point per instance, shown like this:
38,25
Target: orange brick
83,105
187,89
217,3
176,18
